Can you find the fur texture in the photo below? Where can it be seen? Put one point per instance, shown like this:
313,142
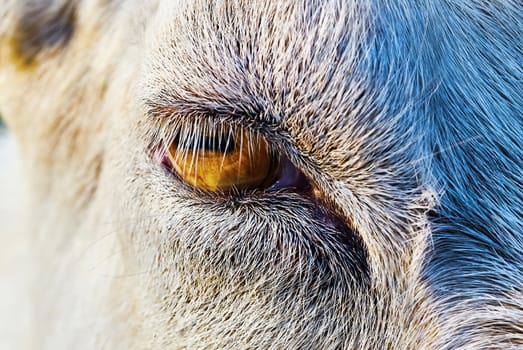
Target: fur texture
406,116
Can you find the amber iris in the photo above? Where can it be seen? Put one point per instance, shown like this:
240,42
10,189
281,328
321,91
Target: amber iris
230,159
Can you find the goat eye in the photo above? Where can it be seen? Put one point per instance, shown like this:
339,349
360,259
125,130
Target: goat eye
222,158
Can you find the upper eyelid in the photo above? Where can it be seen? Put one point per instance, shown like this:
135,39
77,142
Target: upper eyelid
165,106
248,110
167,116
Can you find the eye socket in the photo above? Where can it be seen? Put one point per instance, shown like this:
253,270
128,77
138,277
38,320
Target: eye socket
221,158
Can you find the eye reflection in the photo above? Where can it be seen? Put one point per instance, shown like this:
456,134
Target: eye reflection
222,158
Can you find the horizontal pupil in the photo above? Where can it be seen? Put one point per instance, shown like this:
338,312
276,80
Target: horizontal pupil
221,158
209,143
214,144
